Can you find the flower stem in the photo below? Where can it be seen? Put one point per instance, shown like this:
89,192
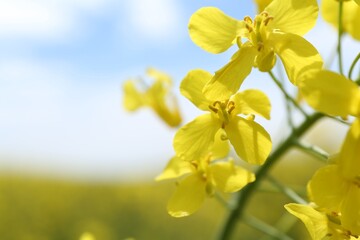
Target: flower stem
353,65
293,101
340,30
313,150
266,228
244,196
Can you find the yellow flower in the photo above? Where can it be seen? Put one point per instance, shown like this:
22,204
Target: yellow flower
202,177
350,16
320,225
157,96
250,140
330,93
337,186
276,30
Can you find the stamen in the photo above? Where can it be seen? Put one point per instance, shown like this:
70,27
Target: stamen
267,20
214,109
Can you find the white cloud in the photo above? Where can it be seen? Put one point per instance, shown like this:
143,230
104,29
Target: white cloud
51,123
42,19
154,19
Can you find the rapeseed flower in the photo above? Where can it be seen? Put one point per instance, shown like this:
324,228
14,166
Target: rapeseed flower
350,17
158,96
250,140
337,186
202,177
320,224
275,31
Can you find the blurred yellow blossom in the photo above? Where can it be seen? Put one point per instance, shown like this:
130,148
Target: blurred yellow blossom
87,236
202,177
350,16
250,140
158,96
276,30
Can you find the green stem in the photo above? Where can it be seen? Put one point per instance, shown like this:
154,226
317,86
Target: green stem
265,228
287,191
293,101
244,196
313,150
353,65
339,36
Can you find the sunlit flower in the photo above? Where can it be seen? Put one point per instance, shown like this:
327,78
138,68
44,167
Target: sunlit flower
320,224
157,96
277,30
337,186
202,177
330,93
250,140
350,16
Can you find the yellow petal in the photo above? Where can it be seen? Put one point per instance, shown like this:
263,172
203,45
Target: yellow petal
221,147
354,26
193,140
176,167
159,75
229,78
133,99
266,59
349,158
230,178
327,187
188,197
350,212
252,102
250,140
315,222
330,93
192,86
293,16
261,4
350,16
214,31
297,54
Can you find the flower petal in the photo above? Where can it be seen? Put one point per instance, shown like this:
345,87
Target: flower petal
261,4
213,30
133,99
229,78
188,197
252,101
315,222
330,93
349,155
350,212
221,147
193,140
159,76
230,178
250,140
297,54
176,167
350,17
192,86
293,16
327,187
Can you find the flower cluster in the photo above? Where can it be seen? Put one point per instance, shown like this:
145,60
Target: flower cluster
204,164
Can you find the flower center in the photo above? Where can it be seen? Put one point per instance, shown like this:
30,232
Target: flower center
258,29
222,110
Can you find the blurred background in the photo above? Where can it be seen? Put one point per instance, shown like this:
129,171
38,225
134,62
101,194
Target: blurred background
72,160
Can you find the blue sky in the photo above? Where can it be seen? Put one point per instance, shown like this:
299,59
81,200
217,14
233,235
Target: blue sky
62,64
